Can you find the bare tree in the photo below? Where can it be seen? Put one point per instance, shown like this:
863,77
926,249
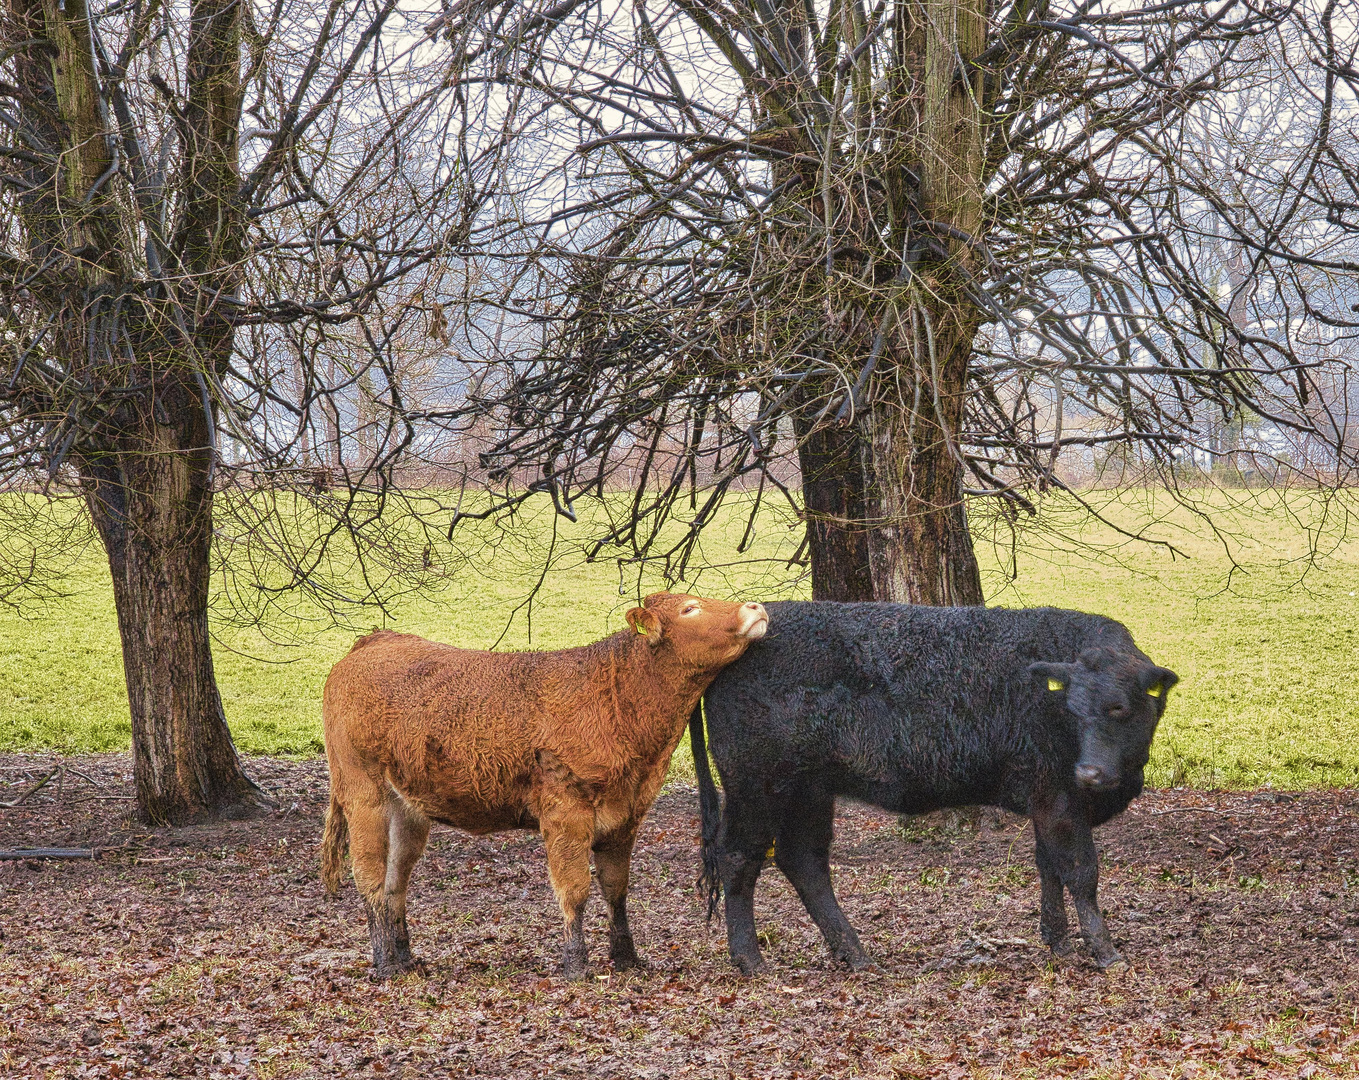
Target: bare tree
222,222
281,286
941,249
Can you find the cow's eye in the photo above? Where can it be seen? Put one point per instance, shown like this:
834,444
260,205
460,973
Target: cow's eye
691,609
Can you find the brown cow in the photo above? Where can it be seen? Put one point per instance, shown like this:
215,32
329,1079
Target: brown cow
574,743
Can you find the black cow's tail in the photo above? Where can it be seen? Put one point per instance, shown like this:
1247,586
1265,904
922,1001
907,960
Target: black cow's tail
709,810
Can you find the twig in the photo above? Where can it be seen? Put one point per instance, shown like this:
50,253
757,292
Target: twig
35,788
1018,833
87,777
48,853
1190,810
101,798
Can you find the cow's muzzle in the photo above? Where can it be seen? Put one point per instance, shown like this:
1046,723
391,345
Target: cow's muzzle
754,621
1095,777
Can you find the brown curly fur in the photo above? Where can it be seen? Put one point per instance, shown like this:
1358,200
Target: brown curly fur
574,743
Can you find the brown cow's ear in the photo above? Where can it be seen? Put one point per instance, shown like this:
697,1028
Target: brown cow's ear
645,622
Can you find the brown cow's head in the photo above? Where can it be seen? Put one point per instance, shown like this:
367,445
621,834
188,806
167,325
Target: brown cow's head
700,633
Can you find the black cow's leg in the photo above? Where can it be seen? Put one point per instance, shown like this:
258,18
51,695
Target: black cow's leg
612,859
744,839
1071,847
802,852
1052,920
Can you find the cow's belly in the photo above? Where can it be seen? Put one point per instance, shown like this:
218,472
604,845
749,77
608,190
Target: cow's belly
622,809
475,804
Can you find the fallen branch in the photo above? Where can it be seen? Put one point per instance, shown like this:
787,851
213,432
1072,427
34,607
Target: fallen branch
34,789
1190,810
48,853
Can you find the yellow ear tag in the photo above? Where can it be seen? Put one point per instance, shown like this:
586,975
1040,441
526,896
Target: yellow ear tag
1056,684
641,629
1155,691
770,853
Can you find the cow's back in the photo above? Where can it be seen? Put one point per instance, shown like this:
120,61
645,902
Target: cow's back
880,701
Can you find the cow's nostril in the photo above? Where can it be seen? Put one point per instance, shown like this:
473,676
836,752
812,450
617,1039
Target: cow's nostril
1090,775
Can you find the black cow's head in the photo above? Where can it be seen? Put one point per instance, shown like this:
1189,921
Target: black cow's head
1118,698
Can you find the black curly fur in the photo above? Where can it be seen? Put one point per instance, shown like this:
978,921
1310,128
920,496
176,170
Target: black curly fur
913,709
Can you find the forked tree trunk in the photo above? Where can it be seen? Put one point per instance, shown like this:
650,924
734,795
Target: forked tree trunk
138,430
919,547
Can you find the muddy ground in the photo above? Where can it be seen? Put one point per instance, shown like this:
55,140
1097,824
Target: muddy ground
212,952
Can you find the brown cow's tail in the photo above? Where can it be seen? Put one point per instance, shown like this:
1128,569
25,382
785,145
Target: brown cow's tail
334,843
709,810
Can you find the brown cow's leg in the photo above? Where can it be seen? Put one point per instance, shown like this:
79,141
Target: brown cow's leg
567,834
612,858
385,840
407,832
368,841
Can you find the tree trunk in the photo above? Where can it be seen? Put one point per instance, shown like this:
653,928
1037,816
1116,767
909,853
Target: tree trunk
886,516
137,424
833,497
153,511
920,548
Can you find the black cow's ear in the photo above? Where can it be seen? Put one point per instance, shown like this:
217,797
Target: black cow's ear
647,623
1057,675
1157,681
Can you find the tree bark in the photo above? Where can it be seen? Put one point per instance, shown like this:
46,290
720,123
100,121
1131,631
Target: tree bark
920,550
833,497
139,428
153,511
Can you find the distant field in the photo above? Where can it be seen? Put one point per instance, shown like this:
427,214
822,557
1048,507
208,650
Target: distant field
1265,650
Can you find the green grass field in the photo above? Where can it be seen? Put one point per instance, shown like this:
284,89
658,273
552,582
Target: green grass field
1261,635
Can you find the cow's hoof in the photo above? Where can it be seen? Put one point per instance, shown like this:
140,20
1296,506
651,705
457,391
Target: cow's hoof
574,968
1112,962
1063,949
629,963
750,966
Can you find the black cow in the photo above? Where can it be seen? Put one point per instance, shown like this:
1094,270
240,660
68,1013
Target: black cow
1044,712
